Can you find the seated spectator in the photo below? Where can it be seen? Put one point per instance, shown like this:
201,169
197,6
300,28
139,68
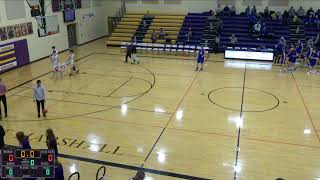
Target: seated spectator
233,40
248,11
274,16
310,12
310,43
216,44
23,140
162,34
252,21
301,12
226,10
309,21
266,12
139,176
58,170
317,42
232,10
285,17
292,12
254,11
264,30
316,21
295,19
189,35
318,12
153,36
257,28
218,10
144,23
219,26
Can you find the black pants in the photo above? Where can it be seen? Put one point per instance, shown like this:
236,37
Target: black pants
128,55
38,106
4,101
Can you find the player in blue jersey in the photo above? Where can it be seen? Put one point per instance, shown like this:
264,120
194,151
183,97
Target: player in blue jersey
313,58
200,58
292,58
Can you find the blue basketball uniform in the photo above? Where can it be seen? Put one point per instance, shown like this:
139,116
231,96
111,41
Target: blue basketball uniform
200,56
299,48
292,56
313,59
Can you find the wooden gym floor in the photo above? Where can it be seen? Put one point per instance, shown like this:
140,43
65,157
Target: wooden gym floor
172,121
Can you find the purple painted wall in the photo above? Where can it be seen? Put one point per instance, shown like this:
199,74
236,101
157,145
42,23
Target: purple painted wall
21,53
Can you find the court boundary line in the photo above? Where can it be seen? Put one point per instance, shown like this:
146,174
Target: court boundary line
239,128
305,106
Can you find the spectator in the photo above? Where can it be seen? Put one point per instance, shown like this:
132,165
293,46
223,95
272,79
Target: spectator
233,40
318,12
139,176
226,10
292,12
39,97
317,42
51,141
283,43
316,21
299,47
144,22
248,11
257,28
310,12
266,12
274,16
264,31
153,36
233,11
2,134
301,12
162,34
218,10
134,39
3,91
216,43
310,43
219,26
134,54
23,140
309,21
285,17
254,11
129,50
189,35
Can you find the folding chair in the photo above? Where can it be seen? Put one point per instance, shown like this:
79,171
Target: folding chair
167,49
180,49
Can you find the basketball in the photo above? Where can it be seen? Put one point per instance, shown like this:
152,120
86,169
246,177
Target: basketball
44,111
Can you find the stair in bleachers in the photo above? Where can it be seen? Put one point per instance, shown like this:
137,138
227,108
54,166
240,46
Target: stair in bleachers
296,35
209,34
197,22
239,25
125,30
143,28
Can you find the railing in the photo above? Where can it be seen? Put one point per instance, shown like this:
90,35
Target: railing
114,21
75,174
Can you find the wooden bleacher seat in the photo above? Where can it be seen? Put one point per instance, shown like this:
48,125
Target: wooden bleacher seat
115,43
160,41
132,23
170,17
169,36
127,27
175,33
125,30
157,13
133,16
112,38
165,28
122,35
167,24
168,20
131,19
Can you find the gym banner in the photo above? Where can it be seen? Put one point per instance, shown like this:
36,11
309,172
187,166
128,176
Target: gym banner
13,55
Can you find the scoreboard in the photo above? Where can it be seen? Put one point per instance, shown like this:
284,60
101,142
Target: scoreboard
20,163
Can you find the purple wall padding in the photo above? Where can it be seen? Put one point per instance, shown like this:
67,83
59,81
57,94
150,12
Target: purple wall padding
21,53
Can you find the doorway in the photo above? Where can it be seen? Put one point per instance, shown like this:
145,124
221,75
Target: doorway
72,35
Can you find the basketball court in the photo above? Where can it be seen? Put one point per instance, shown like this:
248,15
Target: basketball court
174,122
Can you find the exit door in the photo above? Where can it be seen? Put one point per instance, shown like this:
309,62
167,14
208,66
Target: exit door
72,35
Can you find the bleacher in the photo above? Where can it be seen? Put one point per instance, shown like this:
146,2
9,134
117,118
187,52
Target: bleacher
311,32
239,25
197,23
125,30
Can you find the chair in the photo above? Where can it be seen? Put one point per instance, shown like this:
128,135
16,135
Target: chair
149,48
155,49
186,50
123,47
180,49
167,49
174,49
161,48
192,50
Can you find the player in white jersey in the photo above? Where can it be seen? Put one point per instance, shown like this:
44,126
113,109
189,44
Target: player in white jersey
72,63
55,62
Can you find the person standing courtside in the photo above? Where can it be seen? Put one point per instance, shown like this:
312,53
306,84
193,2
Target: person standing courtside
3,91
129,51
39,97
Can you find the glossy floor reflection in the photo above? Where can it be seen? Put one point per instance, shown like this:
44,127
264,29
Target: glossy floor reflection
174,122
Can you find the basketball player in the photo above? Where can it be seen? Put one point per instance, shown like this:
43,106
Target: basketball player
72,63
39,97
313,57
200,59
292,58
55,63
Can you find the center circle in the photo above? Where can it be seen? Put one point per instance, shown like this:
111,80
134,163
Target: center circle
243,99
